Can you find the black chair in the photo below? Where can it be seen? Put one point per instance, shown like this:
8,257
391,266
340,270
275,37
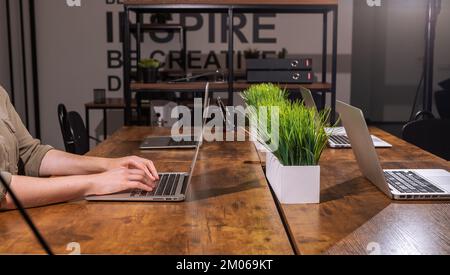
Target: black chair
65,129
432,135
76,140
442,99
79,133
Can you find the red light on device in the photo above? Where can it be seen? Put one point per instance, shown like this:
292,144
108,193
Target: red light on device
309,76
307,63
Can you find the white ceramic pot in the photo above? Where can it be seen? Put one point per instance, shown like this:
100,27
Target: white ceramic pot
293,184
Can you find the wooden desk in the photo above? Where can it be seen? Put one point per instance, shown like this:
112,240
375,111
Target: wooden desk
229,210
354,215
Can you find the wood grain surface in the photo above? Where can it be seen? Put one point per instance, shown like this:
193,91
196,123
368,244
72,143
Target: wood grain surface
354,217
229,209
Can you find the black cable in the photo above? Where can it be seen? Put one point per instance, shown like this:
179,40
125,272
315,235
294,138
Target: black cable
417,96
437,7
27,218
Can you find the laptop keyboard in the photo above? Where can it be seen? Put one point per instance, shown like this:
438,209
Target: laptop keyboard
339,139
410,182
182,143
167,186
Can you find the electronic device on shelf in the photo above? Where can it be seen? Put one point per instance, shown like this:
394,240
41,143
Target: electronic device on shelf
280,70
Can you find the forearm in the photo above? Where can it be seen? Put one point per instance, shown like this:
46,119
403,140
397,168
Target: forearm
33,192
58,163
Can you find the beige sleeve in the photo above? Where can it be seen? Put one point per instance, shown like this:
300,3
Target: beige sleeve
31,150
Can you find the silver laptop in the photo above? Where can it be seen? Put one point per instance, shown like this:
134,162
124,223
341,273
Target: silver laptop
182,142
170,187
430,184
337,136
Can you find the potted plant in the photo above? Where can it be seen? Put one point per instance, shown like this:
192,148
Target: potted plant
252,53
292,163
283,53
149,70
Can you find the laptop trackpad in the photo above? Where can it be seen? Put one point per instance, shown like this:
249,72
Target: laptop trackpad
440,177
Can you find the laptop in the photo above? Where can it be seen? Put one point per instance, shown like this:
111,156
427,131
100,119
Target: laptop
427,184
170,187
226,116
167,142
337,136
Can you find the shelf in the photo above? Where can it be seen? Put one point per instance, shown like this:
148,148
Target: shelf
158,27
200,86
319,7
231,2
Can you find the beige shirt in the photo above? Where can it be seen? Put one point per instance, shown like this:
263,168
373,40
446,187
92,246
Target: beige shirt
17,145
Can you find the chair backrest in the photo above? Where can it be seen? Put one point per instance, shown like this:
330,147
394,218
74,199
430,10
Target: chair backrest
443,103
65,129
432,135
79,133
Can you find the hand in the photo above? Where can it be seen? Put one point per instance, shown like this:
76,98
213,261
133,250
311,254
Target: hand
118,180
134,162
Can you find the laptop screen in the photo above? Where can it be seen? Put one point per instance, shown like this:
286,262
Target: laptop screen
199,144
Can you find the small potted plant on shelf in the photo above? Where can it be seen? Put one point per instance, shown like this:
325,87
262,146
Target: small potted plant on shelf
252,53
149,70
292,162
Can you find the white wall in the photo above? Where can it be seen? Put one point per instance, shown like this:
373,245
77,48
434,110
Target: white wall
72,54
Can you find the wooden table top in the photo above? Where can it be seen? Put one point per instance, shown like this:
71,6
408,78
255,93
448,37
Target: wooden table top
231,2
236,214
229,209
354,217
200,86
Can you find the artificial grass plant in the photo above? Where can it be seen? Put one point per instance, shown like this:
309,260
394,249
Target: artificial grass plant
301,134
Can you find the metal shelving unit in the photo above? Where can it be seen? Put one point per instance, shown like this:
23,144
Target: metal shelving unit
230,7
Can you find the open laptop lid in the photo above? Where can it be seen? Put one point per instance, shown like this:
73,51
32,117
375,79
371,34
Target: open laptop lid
199,144
362,145
206,103
194,160
226,116
308,98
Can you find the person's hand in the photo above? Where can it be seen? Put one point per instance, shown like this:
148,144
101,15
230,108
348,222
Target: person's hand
134,162
118,180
